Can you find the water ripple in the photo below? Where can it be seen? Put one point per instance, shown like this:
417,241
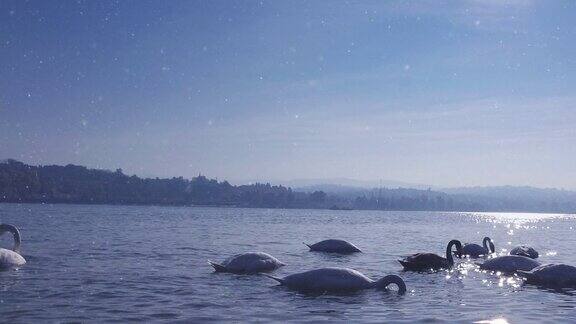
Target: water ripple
102,263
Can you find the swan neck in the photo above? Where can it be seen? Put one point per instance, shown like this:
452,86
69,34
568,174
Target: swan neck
392,279
15,233
449,250
449,253
488,245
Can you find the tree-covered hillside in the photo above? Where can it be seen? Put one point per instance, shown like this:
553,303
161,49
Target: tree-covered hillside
77,184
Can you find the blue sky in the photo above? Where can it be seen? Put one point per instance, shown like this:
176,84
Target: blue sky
453,93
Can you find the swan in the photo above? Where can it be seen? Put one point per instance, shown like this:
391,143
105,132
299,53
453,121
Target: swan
337,280
334,246
427,261
555,275
509,264
11,258
250,262
526,251
474,250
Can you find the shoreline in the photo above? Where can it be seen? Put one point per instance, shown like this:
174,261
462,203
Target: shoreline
288,208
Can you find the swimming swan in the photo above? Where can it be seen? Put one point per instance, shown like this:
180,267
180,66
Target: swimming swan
509,264
431,261
337,280
474,250
11,258
334,246
525,251
251,262
551,275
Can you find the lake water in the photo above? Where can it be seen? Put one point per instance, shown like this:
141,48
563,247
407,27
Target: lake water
123,263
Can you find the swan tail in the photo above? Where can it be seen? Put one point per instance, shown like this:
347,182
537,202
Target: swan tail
404,264
217,267
274,278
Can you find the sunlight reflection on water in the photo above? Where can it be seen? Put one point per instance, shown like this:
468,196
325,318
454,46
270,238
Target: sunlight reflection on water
493,321
519,218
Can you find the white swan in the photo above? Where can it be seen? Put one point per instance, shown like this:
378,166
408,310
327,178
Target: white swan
337,280
11,258
334,246
250,262
552,275
509,264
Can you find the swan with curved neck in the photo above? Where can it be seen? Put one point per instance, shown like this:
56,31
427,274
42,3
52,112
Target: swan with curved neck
474,250
337,280
431,261
11,258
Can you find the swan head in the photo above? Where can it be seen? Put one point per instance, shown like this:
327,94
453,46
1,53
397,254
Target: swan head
15,233
392,279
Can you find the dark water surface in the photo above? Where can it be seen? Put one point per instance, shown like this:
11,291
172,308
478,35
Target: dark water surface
118,263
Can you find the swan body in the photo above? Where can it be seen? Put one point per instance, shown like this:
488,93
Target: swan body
526,251
334,246
337,280
11,258
509,264
431,261
474,250
251,262
555,275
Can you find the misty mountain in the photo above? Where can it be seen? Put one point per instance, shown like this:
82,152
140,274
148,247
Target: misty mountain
513,192
518,198
497,198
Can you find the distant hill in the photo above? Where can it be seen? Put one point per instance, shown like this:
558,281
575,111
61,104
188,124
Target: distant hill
20,182
334,183
334,189
516,192
497,198
503,198
77,184
518,198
